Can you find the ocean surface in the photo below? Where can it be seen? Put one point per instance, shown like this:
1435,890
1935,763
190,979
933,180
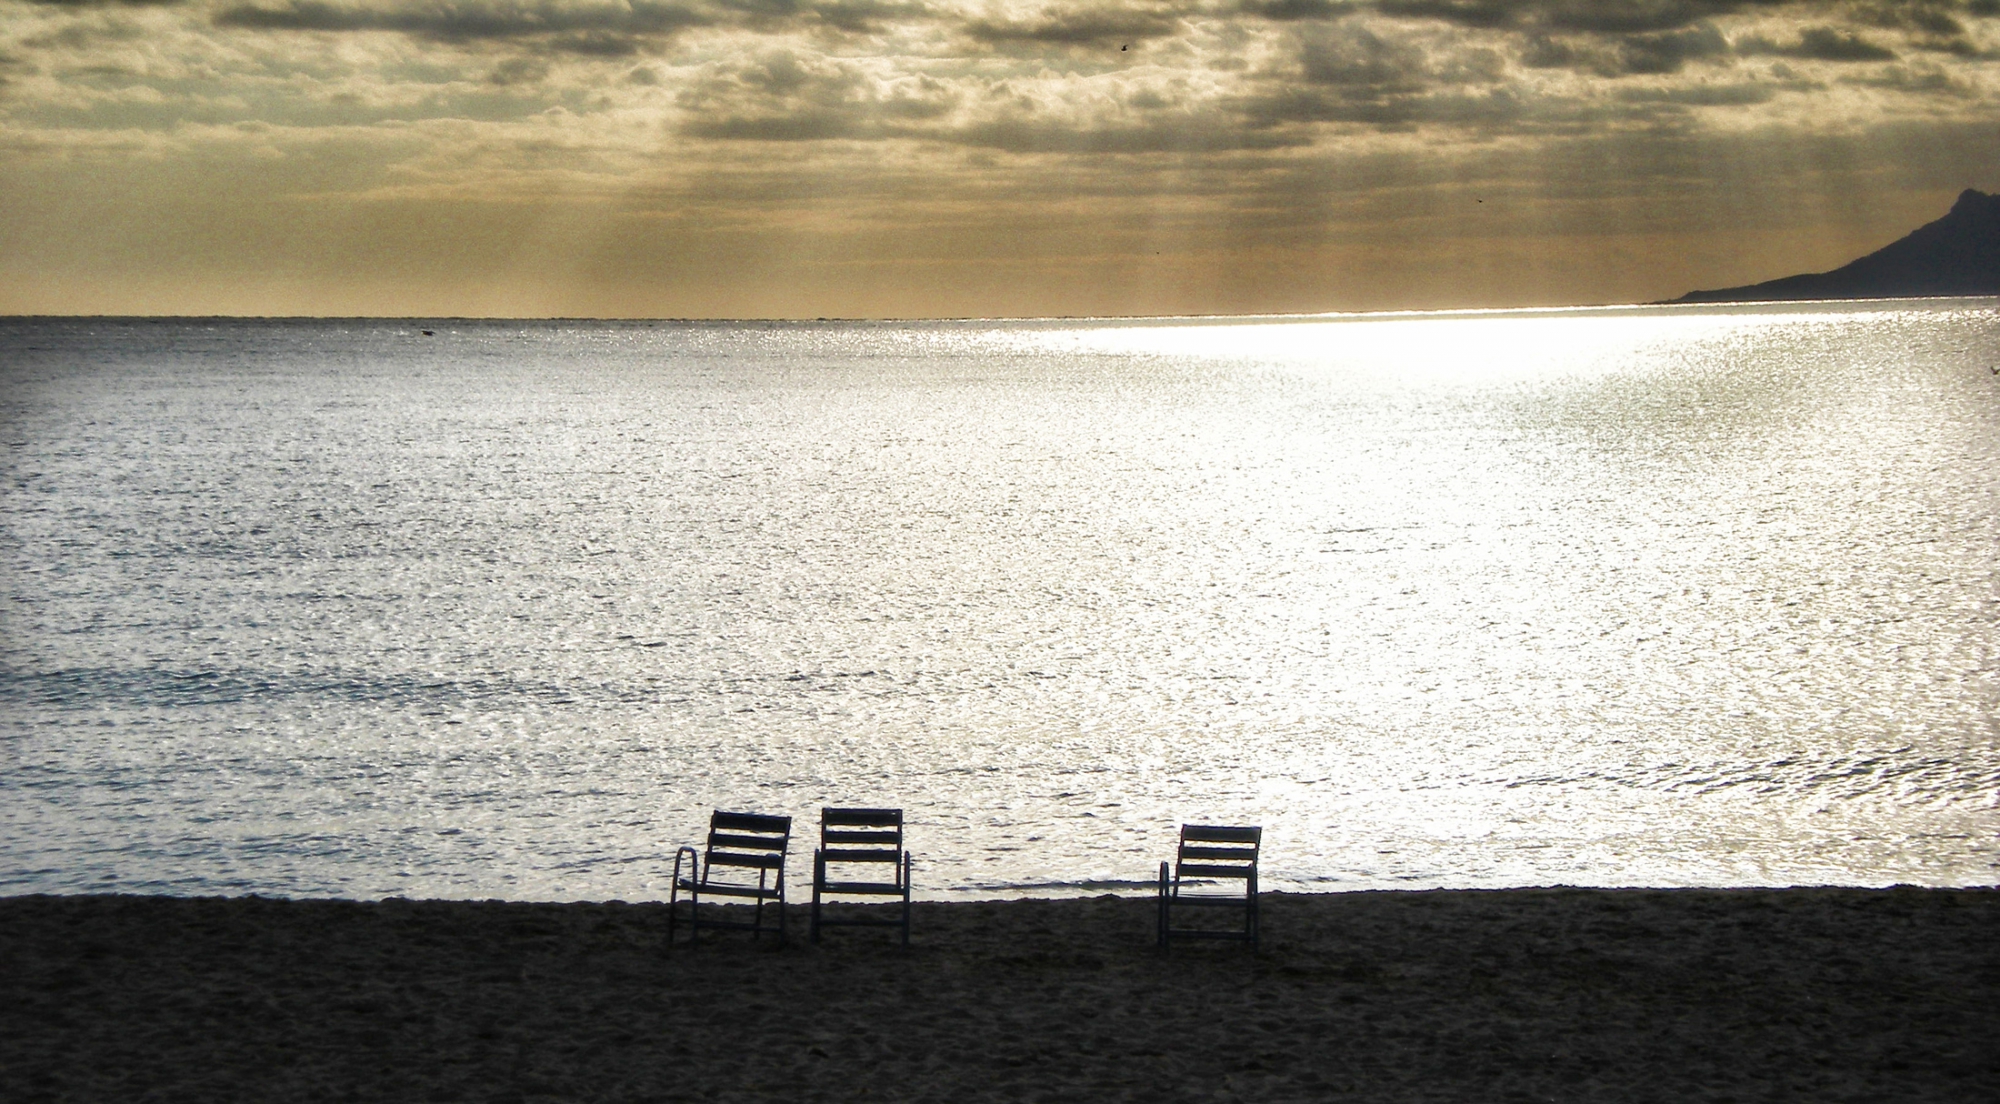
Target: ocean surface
1655,596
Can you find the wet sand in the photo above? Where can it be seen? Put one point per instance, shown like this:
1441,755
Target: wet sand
1543,994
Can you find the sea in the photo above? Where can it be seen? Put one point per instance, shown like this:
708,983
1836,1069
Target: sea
1658,596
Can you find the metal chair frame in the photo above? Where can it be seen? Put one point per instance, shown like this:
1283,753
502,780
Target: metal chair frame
1211,852
868,836
738,843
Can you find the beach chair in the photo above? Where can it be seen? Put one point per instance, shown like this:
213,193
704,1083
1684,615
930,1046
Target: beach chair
739,844
855,845
1215,871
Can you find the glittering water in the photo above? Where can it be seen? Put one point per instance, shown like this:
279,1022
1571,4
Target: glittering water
1660,596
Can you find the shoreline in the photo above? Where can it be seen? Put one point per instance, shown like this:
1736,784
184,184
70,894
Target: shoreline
1529,994
415,321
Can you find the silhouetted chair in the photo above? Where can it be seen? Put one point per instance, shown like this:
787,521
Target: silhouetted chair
861,855
1215,871
738,845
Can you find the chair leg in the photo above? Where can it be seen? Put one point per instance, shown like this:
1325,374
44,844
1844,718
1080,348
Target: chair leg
693,859
819,880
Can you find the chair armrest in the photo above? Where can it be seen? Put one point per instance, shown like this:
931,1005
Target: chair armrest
693,859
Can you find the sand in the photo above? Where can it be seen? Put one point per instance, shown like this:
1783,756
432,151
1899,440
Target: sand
1541,994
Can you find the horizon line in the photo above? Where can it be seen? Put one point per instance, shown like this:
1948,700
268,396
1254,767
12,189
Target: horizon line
910,319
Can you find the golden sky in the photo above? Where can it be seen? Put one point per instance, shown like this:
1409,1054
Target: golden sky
799,158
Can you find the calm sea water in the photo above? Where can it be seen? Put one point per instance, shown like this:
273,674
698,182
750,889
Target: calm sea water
1622,597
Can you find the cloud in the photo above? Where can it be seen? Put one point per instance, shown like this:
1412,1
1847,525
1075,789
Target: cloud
865,16
1820,44
804,125
1627,17
518,70
1026,134
1496,110
1933,18
587,27
105,3
592,24
1356,56
1702,95
1286,11
83,34
786,97
1352,75
1930,24
1477,14
1589,16
1925,80
1078,27
1626,55
1666,53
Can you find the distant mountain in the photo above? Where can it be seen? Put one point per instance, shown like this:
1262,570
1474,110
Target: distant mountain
1958,254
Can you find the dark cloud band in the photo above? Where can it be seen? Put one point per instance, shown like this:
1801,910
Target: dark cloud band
1078,28
473,21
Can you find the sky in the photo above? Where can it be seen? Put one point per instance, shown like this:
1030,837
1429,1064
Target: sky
939,158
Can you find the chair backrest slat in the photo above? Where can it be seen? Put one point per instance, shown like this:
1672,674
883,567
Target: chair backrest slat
737,858
861,817
749,822
726,841
1216,833
844,837
1232,854
872,854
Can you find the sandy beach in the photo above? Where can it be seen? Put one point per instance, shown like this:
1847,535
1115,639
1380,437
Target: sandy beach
1534,994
